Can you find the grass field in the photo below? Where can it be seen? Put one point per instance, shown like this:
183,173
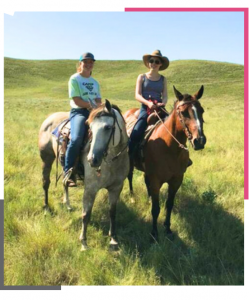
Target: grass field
208,217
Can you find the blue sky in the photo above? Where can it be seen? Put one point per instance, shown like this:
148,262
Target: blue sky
217,36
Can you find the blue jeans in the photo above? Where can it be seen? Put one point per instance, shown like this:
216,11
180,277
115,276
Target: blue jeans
138,130
78,119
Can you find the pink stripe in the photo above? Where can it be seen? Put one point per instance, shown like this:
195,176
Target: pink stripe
246,104
182,9
236,9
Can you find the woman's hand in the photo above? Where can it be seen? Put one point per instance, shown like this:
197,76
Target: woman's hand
151,105
160,104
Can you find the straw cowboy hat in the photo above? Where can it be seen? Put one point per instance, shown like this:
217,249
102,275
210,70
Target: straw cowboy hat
156,53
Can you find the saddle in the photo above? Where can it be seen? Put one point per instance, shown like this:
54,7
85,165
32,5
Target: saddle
152,122
62,133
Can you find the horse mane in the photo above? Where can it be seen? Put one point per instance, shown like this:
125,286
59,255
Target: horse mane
100,112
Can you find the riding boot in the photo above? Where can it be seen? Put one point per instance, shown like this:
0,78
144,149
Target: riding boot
72,181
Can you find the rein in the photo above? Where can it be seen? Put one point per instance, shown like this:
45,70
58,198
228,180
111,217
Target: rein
57,177
115,121
189,135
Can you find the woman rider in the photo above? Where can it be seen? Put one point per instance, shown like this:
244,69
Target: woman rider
150,86
84,94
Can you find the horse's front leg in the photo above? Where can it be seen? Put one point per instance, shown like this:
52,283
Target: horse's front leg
88,200
155,190
114,194
174,185
147,183
66,198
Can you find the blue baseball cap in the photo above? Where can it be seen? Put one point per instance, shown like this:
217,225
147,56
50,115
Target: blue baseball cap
87,55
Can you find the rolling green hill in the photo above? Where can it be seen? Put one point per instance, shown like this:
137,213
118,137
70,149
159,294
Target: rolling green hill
208,215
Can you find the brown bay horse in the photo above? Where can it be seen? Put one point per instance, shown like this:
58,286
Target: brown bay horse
166,156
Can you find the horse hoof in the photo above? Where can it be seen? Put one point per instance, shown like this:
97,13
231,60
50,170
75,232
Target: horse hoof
84,246
113,247
47,210
132,200
69,208
154,238
170,235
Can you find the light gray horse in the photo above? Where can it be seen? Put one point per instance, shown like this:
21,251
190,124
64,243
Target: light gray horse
105,159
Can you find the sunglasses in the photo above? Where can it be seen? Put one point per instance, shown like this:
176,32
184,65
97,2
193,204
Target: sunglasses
157,62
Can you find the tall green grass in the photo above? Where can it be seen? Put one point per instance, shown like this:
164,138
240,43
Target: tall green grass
208,215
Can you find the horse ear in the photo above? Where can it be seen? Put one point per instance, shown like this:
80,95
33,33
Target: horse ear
108,106
179,96
199,94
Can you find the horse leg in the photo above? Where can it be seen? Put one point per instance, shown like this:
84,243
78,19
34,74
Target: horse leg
114,194
174,185
88,200
155,190
130,176
46,169
66,197
147,183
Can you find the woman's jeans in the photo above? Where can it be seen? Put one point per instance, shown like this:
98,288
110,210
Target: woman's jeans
138,131
78,119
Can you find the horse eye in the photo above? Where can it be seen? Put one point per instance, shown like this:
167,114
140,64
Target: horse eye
107,127
185,114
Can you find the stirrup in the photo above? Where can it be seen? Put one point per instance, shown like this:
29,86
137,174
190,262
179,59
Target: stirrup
67,181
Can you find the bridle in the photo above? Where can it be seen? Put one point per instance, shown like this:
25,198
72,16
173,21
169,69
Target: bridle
112,137
185,128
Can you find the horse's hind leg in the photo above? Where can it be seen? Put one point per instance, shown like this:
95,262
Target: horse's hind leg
174,185
114,194
130,176
46,169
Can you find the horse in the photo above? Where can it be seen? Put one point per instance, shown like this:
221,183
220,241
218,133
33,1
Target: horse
166,156
105,159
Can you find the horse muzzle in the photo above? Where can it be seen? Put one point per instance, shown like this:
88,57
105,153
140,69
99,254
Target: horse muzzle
199,143
94,161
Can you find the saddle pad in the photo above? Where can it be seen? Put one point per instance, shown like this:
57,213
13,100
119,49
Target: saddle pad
131,122
63,126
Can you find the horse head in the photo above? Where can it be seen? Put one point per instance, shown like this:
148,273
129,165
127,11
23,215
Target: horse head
190,113
107,126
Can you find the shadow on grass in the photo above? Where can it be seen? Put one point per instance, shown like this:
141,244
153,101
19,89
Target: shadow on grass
208,245
218,239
